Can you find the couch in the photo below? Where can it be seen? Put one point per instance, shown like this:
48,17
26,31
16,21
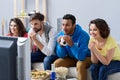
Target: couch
72,71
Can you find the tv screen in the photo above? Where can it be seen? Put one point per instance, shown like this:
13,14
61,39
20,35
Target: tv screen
14,58
8,54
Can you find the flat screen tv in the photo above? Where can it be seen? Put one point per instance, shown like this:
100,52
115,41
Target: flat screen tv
14,58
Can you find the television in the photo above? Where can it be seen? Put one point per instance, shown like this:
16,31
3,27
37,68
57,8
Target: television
15,63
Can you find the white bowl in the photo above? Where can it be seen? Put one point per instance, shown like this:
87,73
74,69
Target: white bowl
61,72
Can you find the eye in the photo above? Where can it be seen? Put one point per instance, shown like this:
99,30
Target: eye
13,25
94,29
90,30
35,23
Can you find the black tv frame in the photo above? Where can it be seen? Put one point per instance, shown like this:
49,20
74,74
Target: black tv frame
8,58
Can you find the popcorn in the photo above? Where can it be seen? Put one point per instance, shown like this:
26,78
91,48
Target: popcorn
61,72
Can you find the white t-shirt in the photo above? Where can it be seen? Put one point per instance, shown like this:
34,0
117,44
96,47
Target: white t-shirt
49,46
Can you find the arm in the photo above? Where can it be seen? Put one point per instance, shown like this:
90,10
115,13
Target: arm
93,57
80,48
60,50
108,51
107,59
35,40
81,51
31,42
46,49
103,59
49,49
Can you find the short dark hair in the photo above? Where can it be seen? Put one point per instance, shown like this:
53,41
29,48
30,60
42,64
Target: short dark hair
102,26
37,16
71,17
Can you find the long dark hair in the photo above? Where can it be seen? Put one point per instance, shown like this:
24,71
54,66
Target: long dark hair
20,26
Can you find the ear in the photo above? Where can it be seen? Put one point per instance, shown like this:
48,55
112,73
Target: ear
74,25
42,22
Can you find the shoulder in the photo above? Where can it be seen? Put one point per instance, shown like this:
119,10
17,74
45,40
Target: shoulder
60,33
52,32
111,42
80,30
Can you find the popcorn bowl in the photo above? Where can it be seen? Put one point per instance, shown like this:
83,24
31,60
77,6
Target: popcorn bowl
61,72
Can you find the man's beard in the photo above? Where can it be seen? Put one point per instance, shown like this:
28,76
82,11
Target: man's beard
36,30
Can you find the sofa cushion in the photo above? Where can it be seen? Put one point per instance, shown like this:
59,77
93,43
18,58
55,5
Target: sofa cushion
38,66
72,71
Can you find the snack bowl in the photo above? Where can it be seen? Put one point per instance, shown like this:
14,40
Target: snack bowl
61,72
39,75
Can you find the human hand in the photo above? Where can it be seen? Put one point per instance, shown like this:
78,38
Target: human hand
91,45
61,41
68,40
33,35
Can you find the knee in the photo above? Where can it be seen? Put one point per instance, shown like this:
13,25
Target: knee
57,63
93,67
103,69
46,59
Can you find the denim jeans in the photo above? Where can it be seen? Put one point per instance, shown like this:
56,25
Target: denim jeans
37,56
101,72
48,60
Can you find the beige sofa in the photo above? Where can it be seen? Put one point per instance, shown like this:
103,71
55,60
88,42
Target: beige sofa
72,71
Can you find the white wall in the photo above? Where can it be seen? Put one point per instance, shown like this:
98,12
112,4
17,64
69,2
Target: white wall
86,10
6,12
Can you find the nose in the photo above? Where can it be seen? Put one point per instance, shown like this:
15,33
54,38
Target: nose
33,26
91,32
